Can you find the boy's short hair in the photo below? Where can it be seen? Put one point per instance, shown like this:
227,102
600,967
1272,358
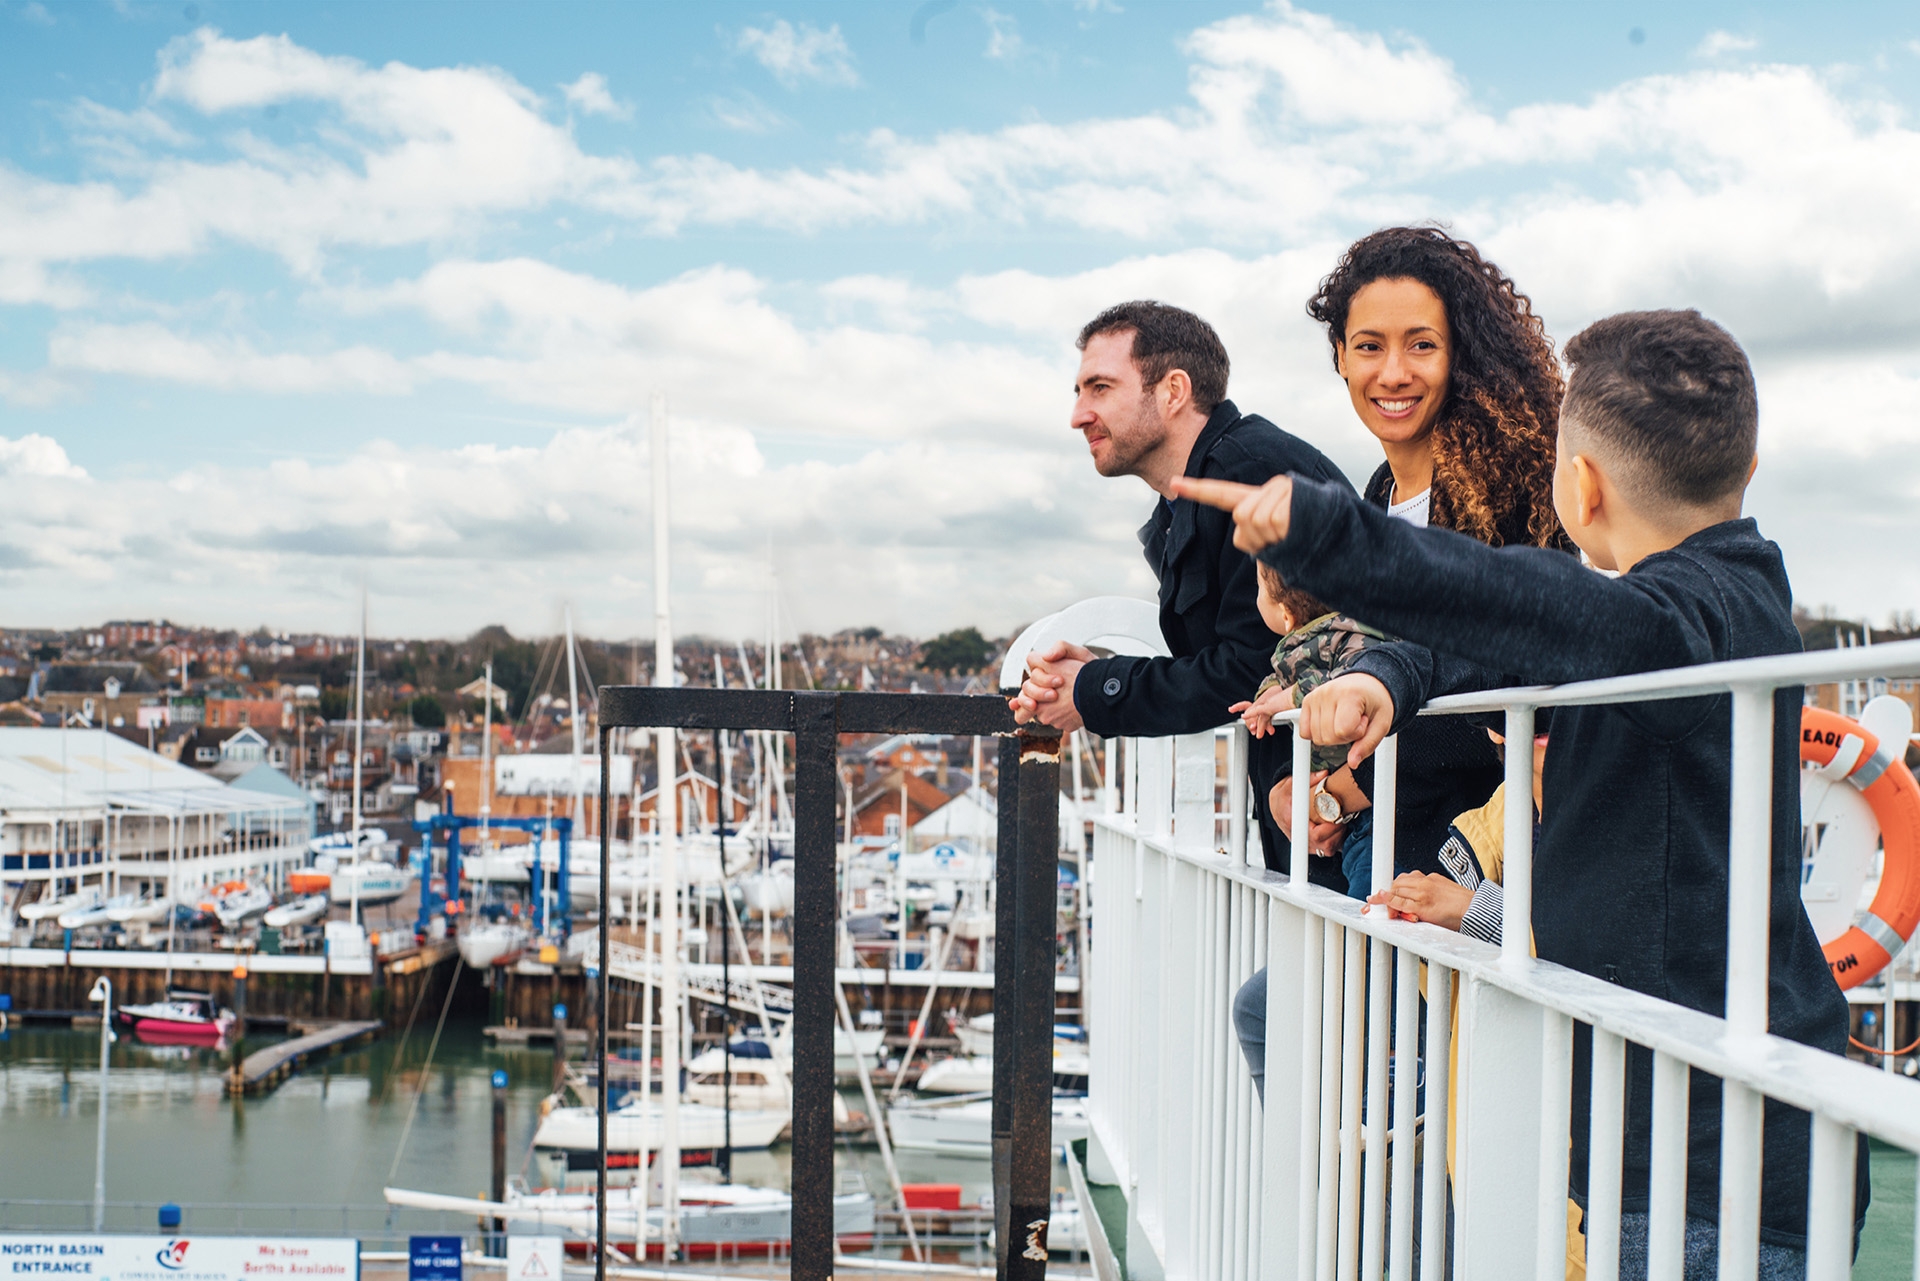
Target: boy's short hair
1302,607
1166,338
1669,396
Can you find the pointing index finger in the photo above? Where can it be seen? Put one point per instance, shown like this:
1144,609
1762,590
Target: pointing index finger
1224,494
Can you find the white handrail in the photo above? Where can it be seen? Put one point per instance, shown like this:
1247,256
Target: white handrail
1322,1181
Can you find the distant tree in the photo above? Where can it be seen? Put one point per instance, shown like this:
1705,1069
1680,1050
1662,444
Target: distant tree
336,704
47,653
427,712
965,650
868,634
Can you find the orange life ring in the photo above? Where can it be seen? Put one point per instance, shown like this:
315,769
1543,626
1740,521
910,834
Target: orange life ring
1885,783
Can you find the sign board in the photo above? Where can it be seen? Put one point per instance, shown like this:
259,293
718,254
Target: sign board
433,1259
543,775
533,1258
161,1258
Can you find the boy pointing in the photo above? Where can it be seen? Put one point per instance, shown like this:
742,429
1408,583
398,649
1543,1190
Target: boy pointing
1656,446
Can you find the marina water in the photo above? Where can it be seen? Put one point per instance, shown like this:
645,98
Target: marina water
311,1157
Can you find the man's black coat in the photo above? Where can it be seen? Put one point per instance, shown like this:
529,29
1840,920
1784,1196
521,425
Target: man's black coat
1221,648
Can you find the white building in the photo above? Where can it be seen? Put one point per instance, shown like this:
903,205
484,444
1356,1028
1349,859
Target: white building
83,807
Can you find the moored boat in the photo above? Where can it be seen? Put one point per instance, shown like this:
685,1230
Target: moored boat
566,1146
48,909
713,1217
487,943
95,913
138,911
234,903
375,882
185,1016
963,1125
300,911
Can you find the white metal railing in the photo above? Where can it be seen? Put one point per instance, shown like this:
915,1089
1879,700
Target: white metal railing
1218,1187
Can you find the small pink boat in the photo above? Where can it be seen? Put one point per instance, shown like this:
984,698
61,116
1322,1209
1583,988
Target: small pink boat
183,1018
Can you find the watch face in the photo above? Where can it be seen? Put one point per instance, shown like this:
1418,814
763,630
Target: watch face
1326,806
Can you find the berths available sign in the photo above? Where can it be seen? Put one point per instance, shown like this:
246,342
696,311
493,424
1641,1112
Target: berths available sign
118,1258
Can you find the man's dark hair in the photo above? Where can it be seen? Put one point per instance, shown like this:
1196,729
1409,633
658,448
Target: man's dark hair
1672,394
1166,338
1303,608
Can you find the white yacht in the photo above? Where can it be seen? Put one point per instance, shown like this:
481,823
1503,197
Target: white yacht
963,1126
566,1145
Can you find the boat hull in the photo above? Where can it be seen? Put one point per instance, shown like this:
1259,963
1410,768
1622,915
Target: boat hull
566,1146
168,1031
966,1129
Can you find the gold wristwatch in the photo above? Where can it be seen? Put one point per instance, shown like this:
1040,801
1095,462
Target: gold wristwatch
1326,807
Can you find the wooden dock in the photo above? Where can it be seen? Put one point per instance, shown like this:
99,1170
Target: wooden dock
264,1069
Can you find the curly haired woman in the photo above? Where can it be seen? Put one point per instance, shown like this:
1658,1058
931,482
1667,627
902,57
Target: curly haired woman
1454,375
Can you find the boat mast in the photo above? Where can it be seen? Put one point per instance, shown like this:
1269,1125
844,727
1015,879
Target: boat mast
573,716
359,730
486,768
668,920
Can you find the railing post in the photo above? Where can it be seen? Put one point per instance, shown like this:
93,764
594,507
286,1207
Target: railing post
1036,859
815,910
605,979
1006,897
1749,886
1516,919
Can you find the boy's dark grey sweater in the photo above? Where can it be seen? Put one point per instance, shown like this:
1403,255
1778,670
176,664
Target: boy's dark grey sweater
1630,881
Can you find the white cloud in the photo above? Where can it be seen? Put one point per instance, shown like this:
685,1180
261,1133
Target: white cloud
36,455
1718,43
798,54
590,95
1003,35
904,536
427,154
745,113
150,351
931,410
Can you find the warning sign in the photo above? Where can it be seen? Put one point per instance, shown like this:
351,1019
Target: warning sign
533,1258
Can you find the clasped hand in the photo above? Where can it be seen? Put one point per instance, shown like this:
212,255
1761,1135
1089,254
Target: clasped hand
1046,694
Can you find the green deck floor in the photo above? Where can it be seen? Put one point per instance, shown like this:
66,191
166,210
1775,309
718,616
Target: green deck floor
1886,1247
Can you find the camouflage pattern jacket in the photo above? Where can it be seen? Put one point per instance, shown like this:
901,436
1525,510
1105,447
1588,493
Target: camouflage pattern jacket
1308,657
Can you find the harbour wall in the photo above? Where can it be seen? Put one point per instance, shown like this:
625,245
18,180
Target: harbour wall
53,983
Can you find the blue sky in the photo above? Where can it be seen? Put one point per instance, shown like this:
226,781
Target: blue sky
296,295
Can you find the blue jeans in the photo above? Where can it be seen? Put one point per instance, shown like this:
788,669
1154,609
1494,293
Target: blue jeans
1356,855
1250,1025
1701,1253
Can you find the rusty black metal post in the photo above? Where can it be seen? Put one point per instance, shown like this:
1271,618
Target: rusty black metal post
1030,1007
1006,1032
815,907
497,1189
605,980
817,720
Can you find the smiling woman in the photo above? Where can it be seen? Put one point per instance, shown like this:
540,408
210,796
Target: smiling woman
1451,371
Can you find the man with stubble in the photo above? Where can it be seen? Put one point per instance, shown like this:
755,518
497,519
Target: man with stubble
1151,401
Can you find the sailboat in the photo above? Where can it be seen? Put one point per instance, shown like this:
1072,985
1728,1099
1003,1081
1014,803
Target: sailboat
484,943
713,1217
358,879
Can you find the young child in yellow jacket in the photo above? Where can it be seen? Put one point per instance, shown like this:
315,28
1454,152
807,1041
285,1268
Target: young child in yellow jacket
1468,899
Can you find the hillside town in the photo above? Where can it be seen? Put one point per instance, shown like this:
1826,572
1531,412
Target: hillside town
274,712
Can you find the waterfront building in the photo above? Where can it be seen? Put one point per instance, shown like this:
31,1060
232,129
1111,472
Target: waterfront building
85,809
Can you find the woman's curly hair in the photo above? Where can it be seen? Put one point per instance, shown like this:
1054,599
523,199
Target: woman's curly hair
1493,445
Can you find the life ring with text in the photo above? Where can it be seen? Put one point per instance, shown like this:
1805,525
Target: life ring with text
1843,748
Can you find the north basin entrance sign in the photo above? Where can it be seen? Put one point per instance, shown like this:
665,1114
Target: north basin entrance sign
178,1258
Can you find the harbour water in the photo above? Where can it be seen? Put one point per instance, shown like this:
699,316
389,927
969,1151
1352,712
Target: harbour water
312,1156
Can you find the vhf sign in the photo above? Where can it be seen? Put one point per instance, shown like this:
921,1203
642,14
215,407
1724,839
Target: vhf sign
433,1259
